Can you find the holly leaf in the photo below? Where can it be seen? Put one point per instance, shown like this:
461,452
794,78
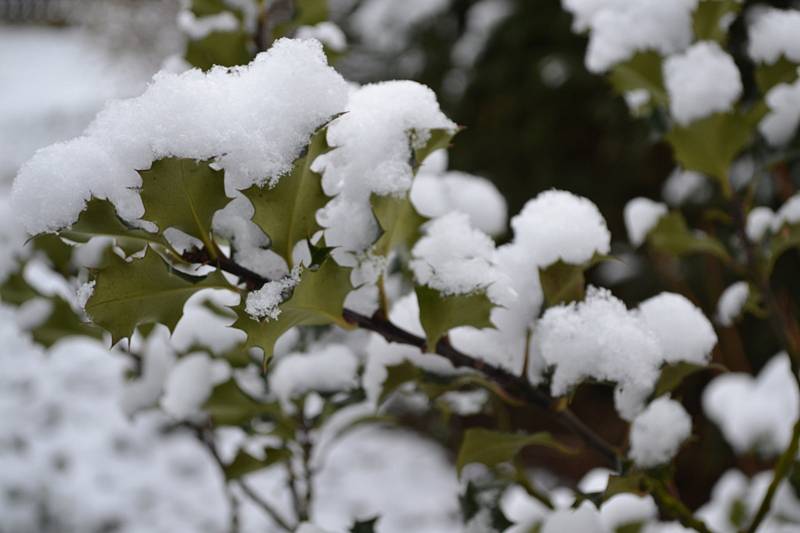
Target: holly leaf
318,299
673,374
143,291
16,291
708,17
396,376
399,221
228,405
62,322
709,145
562,283
439,314
770,75
642,71
672,235
365,526
100,219
494,447
287,212
244,463
57,251
439,138
223,48
183,194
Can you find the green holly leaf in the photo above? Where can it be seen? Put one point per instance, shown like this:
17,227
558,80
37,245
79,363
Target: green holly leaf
244,463
672,235
396,376
708,18
63,322
143,291
642,71
494,447
439,138
183,194
562,283
100,219
318,299
223,48
57,251
768,76
287,212
673,374
229,405
785,239
399,221
632,483
365,526
306,13
439,314
710,145
16,291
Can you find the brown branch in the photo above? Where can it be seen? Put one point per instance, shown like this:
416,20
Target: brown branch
513,385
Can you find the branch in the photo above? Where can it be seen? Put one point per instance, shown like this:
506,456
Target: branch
513,385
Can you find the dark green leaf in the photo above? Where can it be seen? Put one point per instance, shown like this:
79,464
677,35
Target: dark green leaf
439,139
642,71
287,212
224,48
183,194
228,405
710,145
562,283
57,251
144,290
768,76
439,314
99,219
631,483
399,221
244,463
494,447
672,235
365,526
708,17
16,291
396,376
672,375
317,300
62,322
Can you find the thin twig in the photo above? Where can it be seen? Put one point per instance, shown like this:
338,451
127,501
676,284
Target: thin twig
515,386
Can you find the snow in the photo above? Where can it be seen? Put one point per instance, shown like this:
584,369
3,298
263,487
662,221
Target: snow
759,220
780,124
658,432
54,81
372,155
788,214
326,32
200,326
158,358
701,81
435,194
755,413
624,509
253,120
642,215
684,332
328,368
731,303
599,339
12,240
452,257
558,225
684,186
264,302
189,384
773,33
200,27
80,461
620,28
